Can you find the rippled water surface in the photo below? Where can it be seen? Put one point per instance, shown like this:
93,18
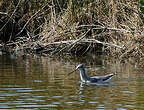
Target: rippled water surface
42,83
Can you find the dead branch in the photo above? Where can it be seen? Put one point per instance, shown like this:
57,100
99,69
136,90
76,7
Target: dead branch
74,42
83,41
98,27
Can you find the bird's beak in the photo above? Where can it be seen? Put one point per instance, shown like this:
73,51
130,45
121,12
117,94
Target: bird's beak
72,72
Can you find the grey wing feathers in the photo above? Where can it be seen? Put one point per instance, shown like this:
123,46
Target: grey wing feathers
104,78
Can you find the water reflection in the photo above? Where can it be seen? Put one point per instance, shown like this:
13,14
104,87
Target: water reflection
93,87
40,83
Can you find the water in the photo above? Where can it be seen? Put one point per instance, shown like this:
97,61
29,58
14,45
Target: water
34,82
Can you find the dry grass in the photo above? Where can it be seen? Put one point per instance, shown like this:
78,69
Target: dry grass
116,28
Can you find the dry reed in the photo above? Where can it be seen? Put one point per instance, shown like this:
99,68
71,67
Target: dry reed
114,27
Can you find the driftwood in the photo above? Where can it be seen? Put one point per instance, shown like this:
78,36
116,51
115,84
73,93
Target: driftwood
82,41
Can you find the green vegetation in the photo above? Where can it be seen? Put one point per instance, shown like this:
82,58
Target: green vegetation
56,27
142,6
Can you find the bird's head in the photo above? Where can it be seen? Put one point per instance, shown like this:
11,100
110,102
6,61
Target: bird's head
79,67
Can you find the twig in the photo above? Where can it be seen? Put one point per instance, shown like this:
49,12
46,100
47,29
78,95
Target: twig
72,42
75,41
90,25
3,13
106,44
11,15
103,27
86,49
30,20
116,29
80,38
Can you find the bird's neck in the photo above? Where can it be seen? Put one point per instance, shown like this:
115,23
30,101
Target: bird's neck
83,75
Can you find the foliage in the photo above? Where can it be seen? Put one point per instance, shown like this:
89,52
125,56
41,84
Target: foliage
142,6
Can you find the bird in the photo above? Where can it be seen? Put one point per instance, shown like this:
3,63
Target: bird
94,79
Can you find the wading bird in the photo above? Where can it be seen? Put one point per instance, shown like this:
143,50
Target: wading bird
94,79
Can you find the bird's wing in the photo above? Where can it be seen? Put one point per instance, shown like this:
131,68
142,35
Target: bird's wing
104,78
108,77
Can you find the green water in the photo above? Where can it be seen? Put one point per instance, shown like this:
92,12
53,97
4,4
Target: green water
42,83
